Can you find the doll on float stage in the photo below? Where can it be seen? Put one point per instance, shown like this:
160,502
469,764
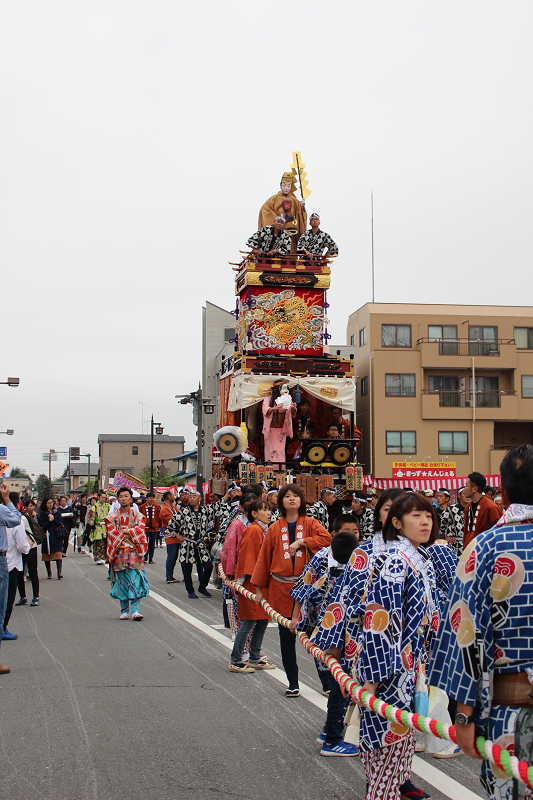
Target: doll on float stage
278,411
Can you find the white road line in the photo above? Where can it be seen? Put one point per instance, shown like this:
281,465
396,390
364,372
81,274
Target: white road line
430,774
223,627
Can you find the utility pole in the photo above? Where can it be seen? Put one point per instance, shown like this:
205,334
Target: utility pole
152,454
201,405
200,445
372,215
50,456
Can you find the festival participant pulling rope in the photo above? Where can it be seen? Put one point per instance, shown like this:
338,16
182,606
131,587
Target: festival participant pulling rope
509,764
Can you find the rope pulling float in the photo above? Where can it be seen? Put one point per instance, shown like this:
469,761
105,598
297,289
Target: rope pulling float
498,756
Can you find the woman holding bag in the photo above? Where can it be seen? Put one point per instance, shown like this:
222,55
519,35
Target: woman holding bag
52,546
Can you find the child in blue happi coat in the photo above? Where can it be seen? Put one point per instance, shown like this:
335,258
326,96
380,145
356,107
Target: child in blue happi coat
310,600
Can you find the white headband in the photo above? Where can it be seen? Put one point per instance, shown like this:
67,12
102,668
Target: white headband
273,491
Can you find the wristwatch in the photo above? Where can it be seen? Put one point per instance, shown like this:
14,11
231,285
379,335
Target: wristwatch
462,719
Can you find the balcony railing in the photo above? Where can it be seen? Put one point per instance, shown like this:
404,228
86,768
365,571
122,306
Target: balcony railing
464,399
468,347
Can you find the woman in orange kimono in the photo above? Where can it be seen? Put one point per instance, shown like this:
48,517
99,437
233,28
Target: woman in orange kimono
254,620
289,545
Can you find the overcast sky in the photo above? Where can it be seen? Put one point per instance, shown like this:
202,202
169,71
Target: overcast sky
138,141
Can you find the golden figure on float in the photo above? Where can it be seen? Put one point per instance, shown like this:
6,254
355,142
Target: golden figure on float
286,205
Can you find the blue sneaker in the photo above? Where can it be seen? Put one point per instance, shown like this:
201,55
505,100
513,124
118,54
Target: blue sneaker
321,738
205,593
193,595
8,635
340,749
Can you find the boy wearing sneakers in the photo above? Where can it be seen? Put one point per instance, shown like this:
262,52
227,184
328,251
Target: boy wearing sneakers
310,595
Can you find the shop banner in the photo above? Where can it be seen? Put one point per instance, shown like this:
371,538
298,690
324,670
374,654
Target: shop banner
424,482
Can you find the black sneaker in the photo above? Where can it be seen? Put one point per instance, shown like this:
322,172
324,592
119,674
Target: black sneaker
171,580
22,602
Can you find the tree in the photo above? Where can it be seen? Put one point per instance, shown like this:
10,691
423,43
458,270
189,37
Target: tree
64,473
17,472
44,487
167,480
94,487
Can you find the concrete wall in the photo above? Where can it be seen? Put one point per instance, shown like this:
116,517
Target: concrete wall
214,321
119,455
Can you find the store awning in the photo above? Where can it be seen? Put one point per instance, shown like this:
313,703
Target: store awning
421,483
247,389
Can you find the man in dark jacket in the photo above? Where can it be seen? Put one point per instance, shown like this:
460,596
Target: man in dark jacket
150,512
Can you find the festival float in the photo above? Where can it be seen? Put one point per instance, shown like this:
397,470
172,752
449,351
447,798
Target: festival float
285,389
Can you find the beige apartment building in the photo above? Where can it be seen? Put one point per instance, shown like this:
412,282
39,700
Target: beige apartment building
442,383
131,453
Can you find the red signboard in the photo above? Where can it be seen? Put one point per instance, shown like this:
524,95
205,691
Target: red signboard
422,472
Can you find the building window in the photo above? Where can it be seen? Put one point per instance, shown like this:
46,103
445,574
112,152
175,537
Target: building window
453,442
397,385
446,336
527,385
352,338
401,441
362,337
447,387
524,338
396,336
135,451
443,383
229,333
364,386
483,340
487,393
438,332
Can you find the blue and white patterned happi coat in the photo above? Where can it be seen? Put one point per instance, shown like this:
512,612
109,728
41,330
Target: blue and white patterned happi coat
487,629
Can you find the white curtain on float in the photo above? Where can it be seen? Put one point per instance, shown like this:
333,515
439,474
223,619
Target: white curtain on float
247,390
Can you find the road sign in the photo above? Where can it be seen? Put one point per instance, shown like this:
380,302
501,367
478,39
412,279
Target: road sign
51,456
3,452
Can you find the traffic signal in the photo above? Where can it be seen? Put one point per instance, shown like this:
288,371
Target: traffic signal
161,470
194,411
74,453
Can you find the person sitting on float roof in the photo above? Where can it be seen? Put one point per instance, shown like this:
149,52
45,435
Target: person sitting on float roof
315,241
271,240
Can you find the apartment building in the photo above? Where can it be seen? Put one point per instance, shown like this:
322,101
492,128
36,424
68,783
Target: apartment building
442,384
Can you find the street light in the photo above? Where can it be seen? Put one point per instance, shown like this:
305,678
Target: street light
158,430
11,382
9,432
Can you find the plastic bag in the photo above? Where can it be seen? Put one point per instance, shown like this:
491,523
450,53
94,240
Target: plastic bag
353,722
421,693
438,709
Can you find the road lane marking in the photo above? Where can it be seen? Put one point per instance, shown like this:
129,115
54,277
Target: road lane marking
223,627
432,775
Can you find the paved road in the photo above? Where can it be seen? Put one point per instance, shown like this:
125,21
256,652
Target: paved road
99,709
